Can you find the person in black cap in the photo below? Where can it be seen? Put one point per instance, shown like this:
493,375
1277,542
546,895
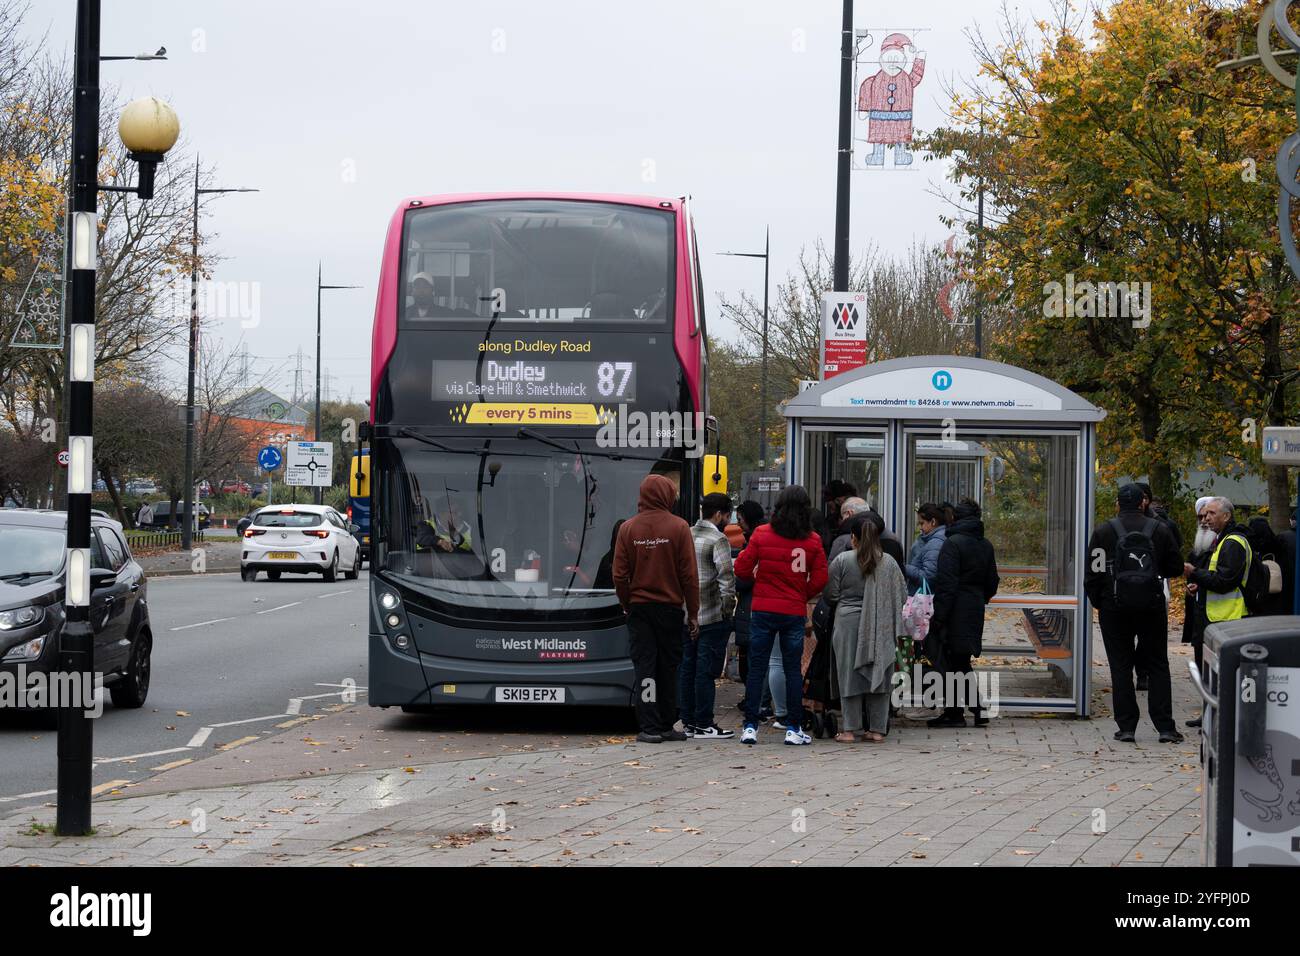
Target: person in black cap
1127,557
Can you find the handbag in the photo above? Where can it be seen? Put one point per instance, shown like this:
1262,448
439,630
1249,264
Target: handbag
1274,574
823,619
917,612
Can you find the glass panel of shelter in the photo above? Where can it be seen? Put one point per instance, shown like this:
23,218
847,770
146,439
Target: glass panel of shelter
856,457
1027,488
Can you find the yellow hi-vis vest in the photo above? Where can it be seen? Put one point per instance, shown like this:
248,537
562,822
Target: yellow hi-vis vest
1232,605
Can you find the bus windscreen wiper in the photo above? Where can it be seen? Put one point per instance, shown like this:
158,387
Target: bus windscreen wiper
575,450
482,450
406,432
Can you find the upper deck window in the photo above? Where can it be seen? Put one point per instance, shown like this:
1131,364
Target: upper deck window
537,261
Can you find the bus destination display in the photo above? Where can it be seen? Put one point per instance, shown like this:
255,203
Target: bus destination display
523,380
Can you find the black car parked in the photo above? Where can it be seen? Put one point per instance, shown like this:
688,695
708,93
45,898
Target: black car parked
32,570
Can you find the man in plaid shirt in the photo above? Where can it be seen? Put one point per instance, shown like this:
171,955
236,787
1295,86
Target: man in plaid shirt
702,656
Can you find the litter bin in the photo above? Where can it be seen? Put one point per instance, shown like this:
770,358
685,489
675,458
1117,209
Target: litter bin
1250,742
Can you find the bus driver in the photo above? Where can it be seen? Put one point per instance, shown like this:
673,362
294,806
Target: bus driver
446,531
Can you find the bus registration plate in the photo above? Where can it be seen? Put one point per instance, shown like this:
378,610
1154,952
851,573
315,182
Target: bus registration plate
530,695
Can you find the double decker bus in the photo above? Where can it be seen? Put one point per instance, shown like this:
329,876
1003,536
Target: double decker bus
535,357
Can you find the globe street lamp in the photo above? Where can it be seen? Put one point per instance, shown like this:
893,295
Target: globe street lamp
148,129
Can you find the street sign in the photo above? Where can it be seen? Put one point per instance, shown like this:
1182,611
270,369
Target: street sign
64,458
309,463
269,458
1282,446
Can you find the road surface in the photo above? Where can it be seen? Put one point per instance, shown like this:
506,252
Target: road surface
232,663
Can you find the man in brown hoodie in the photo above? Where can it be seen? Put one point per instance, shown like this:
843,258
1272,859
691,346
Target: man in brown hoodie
654,576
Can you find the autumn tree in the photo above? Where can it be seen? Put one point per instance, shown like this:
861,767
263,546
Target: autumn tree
1115,154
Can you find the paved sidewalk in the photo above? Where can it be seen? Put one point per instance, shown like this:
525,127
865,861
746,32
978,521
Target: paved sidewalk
1024,791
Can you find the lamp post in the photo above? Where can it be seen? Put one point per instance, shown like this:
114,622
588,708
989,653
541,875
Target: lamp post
148,128
187,527
319,289
762,421
844,154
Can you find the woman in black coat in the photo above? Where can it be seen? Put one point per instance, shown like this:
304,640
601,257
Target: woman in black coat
966,580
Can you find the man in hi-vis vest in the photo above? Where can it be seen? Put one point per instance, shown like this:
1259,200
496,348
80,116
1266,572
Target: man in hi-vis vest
1221,579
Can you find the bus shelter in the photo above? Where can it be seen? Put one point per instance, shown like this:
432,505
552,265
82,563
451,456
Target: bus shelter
937,428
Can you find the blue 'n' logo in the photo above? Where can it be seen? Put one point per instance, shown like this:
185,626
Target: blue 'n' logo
942,380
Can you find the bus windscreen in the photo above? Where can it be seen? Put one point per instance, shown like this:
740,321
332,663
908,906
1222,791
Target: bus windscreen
533,531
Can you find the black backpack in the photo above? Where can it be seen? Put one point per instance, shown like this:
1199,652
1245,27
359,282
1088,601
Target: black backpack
1133,567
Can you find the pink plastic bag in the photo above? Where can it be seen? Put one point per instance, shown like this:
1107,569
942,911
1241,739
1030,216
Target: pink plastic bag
917,611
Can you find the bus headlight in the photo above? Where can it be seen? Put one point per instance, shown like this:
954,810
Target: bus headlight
389,600
402,641
394,620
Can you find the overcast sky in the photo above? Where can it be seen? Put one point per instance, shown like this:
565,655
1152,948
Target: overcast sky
337,110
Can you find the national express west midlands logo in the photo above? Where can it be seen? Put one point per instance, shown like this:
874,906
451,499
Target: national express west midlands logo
941,380
845,317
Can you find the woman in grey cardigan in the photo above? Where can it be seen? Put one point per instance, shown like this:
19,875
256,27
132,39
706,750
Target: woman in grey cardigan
869,590
923,558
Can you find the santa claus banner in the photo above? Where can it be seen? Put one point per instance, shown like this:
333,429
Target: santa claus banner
888,69
844,332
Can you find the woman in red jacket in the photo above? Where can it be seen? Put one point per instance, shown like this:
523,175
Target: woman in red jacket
786,562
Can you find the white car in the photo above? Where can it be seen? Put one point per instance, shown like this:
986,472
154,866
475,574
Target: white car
302,539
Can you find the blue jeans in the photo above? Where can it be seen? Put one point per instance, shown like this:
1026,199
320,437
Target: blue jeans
686,679
768,630
701,661
774,692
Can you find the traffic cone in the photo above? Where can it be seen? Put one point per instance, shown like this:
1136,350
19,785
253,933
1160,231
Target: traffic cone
224,524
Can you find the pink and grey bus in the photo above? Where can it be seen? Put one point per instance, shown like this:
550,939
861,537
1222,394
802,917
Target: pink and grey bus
519,341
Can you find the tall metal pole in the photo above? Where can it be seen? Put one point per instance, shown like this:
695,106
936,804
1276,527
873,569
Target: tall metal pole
316,436
187,531
187,535
979,253
1295,608
76,644
319,287
844,157
762,423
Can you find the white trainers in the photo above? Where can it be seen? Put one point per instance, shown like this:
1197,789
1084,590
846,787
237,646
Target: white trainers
796,737
749,735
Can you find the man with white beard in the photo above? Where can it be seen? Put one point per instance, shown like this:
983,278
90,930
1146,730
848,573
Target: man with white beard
1215,571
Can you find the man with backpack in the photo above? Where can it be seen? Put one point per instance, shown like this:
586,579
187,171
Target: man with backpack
1127,558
